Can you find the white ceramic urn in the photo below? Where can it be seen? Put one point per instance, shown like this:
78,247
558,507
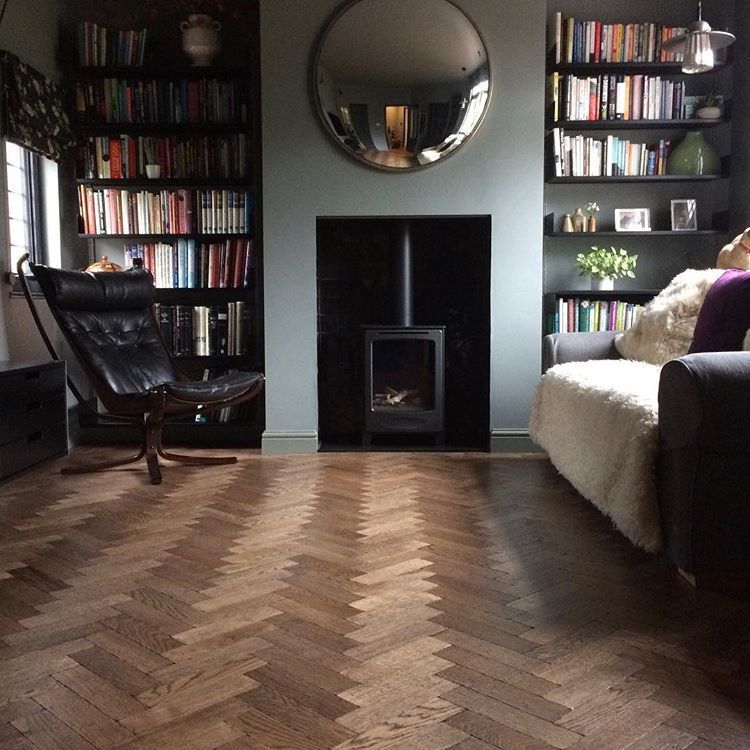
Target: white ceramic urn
200,38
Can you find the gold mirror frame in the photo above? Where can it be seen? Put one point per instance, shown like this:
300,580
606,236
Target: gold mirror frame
386,96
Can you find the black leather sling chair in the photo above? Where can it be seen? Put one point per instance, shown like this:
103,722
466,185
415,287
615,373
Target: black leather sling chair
108,320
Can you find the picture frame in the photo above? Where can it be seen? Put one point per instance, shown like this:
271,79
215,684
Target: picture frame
684,214
632,219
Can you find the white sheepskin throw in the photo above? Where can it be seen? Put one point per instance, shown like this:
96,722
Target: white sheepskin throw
664,329
598,420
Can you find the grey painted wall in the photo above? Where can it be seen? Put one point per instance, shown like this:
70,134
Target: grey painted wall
498,173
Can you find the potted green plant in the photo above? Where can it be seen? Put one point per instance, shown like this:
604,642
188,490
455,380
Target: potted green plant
604,265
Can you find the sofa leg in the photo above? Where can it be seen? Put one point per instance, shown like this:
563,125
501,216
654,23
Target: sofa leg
689,577
729,582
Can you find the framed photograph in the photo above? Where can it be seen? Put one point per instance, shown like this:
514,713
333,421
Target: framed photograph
684,215
633,219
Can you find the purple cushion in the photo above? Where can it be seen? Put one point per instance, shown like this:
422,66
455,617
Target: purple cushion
724,317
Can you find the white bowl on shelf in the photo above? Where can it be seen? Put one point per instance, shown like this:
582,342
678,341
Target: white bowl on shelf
708,113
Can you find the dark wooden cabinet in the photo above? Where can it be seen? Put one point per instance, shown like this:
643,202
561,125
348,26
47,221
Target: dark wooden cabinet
33,414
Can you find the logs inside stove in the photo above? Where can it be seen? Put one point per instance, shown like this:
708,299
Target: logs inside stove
404,363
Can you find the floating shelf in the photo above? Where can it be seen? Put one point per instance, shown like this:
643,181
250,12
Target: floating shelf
167,182
167,237
674,124
631,294
719,226
652,233
668,68
193,295
639,178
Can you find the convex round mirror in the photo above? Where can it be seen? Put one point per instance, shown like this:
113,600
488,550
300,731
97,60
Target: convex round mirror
401,84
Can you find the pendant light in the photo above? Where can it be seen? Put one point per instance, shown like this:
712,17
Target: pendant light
698,44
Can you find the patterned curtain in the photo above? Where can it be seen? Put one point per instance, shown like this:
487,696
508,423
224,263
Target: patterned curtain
32,111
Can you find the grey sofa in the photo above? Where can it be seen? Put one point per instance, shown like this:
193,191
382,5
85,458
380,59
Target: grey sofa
703,462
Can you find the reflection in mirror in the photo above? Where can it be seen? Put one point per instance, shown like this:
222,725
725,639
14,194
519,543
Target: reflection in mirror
401,84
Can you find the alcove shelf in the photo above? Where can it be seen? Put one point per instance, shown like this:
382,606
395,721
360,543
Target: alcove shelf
638,178
673,124
662,68
718,227
144,183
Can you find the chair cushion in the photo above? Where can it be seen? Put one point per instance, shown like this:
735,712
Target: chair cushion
208,391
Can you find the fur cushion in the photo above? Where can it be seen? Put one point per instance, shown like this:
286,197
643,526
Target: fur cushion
665,328
598,422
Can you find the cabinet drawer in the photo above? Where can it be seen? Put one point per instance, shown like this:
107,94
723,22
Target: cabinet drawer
29,385
24,416
25,452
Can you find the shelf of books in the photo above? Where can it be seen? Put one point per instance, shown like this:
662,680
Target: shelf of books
167,163
219,331
124,156
578,41
124,100
582,311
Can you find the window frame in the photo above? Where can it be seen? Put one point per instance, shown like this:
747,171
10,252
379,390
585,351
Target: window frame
33,204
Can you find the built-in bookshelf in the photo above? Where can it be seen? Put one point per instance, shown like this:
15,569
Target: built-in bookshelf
617,107
167,169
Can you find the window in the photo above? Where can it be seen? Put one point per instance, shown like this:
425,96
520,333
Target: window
25,207
32,206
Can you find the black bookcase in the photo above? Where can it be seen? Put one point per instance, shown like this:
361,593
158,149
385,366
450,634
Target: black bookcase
201,126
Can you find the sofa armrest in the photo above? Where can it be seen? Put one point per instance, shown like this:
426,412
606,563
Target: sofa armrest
704,440
578,347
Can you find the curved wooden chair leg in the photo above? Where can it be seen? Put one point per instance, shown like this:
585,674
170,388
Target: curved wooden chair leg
197,460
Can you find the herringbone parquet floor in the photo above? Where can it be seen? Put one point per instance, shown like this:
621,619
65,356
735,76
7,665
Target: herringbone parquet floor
410,601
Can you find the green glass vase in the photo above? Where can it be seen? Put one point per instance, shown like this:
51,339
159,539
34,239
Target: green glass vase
693,155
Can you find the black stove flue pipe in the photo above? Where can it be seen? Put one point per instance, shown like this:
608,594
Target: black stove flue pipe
402,274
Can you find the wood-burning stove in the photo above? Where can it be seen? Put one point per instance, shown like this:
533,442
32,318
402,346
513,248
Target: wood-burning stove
404,381
404,363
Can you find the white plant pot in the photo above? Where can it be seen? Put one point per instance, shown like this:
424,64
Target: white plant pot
708,113
602,285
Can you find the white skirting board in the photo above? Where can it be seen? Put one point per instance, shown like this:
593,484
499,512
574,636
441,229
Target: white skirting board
290,441
512,441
